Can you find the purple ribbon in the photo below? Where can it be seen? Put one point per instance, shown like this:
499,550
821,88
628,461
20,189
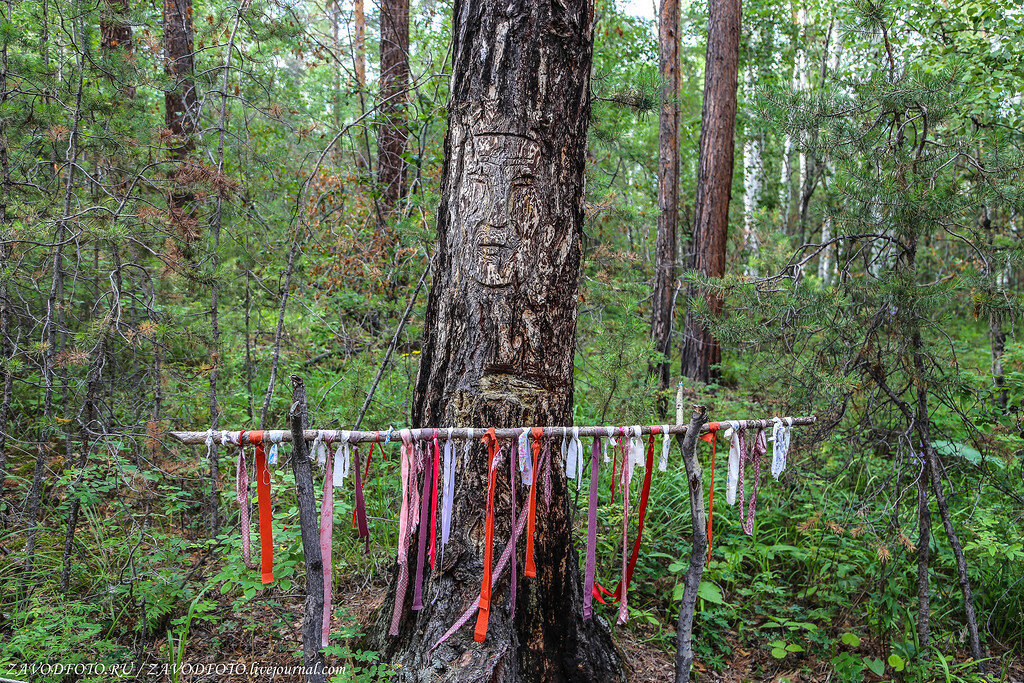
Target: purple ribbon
428,470
757,450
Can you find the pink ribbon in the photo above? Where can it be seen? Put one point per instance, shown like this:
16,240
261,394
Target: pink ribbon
626,472
404,522
327,546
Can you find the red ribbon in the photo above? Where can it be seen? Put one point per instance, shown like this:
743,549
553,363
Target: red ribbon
366,478
613,596
263,494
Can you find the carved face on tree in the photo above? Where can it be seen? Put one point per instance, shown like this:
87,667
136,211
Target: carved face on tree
497,201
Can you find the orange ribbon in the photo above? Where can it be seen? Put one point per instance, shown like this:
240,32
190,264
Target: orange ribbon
531,567
263,494
480,633
711,438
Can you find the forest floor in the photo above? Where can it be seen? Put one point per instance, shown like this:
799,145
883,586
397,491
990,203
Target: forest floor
268,645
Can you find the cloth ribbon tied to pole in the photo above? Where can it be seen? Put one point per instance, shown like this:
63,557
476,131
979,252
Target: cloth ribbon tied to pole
242,497
666,446
263,496
404,522
757,450
781,434
480,633
711,437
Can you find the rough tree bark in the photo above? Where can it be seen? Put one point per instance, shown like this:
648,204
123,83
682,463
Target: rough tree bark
668,189
700,351
699,545
500,337
394,82
116,41
181,108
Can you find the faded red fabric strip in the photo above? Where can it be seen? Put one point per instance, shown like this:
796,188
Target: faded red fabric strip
365,479
364,530
480,633
263,494
327,546
417,595
711,437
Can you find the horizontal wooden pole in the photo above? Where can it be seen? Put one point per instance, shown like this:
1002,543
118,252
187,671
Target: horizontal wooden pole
462,433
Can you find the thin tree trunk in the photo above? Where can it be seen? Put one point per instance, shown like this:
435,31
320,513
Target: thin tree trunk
668,192
279,330
699,543
310,530
500,337
924,539
394,82
701,352
934,467
88,418
52,332
753,167
359,64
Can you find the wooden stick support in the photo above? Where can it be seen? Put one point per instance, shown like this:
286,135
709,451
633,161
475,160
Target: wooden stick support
462,433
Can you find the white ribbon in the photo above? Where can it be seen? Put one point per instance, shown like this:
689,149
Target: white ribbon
342,459
732,481
448,491
467,446
209,444
525,457
225,438
276,436
781,434
565,451
574,458
318,450
611,441
666,445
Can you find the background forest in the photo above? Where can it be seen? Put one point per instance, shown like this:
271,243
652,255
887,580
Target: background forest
194,207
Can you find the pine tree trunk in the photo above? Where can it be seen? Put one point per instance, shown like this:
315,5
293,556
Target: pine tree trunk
700,350
668,189
181,109
394,82
500,337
